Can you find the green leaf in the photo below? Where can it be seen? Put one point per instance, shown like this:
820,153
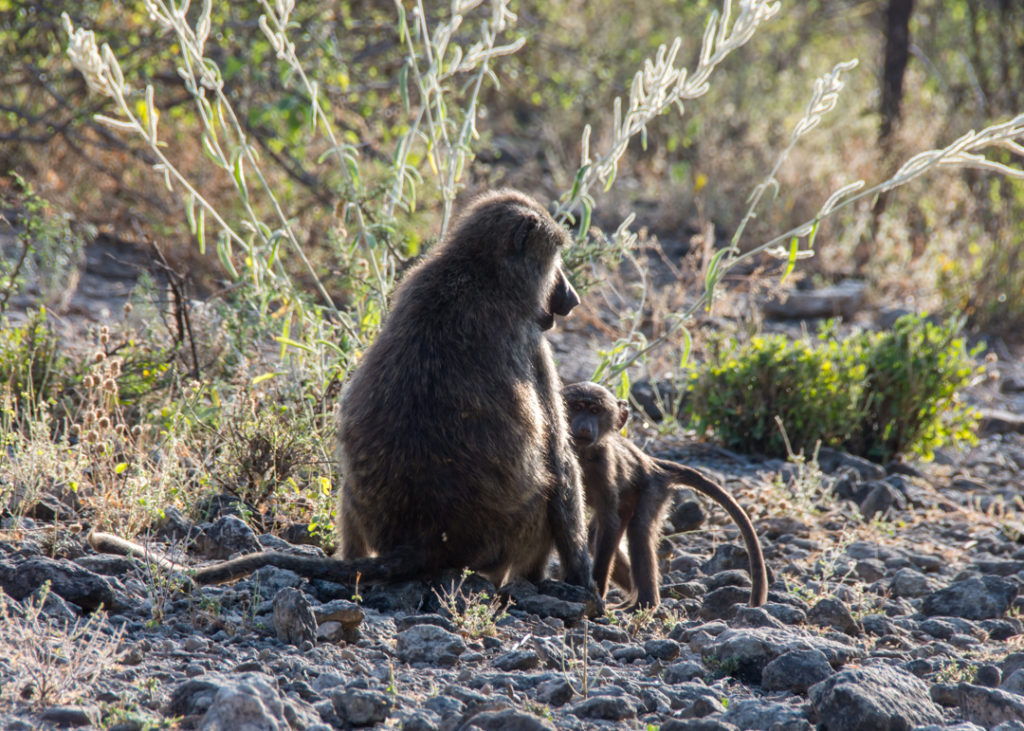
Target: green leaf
794,248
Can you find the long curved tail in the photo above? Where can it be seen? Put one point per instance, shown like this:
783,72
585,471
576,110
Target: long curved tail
399,565
691,477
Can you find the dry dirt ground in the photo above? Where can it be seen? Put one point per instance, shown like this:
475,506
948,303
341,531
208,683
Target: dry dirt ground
895,603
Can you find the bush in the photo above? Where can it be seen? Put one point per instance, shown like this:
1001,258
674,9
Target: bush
874,394
30,362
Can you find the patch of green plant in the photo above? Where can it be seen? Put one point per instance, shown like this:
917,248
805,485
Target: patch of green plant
48,249
31,363
873,394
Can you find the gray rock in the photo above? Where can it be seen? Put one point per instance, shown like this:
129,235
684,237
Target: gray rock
361,706
727,556
683,672
755,617
174,526
723,602
527,599
796,671
729,577
82,587
269,580
744,653
873,698
605,708
880,497
989,707
429,645
988,675
910,583
869,569
1011,663
628,653
517,660
71,716
1014,683
608,632
761,714
830,612
227,536
245,700
985,597
662,649
507,720
294,620
697,724
785,613
686,516
833,460
554,692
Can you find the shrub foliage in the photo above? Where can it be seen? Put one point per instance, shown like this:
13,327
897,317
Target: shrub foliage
875,394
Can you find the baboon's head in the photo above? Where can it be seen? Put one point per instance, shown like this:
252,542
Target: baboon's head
513,243
594,412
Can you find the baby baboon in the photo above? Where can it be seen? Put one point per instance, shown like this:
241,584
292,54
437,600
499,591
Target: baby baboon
452,436
628,490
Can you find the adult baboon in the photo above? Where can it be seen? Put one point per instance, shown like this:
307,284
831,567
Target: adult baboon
452,437
628,490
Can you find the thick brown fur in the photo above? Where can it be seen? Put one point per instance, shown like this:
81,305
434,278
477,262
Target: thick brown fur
628,491
452,437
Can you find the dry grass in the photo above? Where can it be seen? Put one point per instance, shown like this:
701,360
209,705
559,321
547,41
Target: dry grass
47,661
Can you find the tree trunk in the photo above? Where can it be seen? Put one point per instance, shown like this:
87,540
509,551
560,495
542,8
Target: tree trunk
897,52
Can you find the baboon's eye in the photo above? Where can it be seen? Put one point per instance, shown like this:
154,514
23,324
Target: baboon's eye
595,410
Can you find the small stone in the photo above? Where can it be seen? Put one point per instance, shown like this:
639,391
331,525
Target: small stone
554,692
71,716
985,597
517,660
796,671
683,672
361,707
910,583
294,620
722,603
226,537
429,645
605,708
831,612
989,676
662,649
873,697
507,720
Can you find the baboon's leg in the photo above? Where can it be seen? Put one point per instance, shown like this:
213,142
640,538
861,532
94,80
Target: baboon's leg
643,533
353,542
565,503
609,534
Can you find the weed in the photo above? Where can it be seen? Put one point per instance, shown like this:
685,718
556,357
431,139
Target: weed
50,662
474,615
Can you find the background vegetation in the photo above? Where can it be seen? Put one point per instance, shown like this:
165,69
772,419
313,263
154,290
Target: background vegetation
311,151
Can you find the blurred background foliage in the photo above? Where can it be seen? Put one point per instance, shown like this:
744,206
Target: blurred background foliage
953,241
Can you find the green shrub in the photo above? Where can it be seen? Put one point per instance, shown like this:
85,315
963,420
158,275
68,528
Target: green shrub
30,362
873,394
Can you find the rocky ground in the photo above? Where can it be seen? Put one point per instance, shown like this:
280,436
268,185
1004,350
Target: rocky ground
894,604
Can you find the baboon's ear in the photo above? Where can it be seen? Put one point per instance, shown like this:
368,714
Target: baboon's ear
521,233
623,414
